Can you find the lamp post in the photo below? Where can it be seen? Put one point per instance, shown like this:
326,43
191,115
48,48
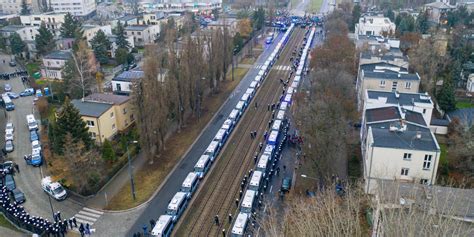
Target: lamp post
131,170
309,177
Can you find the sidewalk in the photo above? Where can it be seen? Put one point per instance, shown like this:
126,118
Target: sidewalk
99,201
7,232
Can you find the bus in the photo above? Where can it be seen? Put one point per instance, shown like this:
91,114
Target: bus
177,205
7,102
190,184
240,225
202,166
263,163
248,201
256,181
163,226
212,150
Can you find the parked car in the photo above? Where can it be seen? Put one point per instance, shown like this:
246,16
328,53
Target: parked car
8,135
12,63
18,196
27,92
10,182
9,128
34,136
7,88
9,147
13,95
36,159
286,184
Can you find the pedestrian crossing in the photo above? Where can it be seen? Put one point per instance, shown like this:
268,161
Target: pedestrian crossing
88,216
277,67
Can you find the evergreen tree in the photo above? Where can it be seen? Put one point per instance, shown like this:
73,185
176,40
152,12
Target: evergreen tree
69,121
71,28
390,14
121,41
356,11
44,40
108,153
121,55
407,24
17,45
100,44
258,18
446,96
422,24
24,8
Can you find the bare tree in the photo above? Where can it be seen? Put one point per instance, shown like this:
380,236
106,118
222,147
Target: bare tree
83,70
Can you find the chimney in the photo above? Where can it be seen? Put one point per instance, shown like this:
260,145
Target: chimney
398,75
418,135
396,94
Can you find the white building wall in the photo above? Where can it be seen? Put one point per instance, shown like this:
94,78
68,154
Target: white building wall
53,21
10,6
90,33
374,25
124,86
75,7
470,83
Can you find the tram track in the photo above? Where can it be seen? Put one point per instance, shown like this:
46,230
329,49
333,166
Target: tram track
216,196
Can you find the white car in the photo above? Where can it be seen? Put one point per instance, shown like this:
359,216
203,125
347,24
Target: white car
9,136
35,146
54,189
9,128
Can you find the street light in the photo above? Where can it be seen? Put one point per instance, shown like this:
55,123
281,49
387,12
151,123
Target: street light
130,169
308,177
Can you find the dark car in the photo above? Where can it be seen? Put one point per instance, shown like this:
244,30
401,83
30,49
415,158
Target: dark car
18,196
34,136
12,63
6,167
286,184
10,182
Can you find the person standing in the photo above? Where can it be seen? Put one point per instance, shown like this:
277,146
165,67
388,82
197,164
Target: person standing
81,230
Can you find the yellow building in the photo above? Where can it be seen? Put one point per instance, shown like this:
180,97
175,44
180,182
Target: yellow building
105,114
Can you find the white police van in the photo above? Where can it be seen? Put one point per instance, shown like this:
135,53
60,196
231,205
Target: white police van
212,150
190,184
177,205
163,226
202,166
248,202
262,164
256,181
31,122
238,230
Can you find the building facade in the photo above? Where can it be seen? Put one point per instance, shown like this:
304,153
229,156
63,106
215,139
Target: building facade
89,31
80,8
53,64
25,32
10,6
52,21
374,25
142,34
123,83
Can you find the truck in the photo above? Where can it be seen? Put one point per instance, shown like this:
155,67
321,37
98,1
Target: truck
53,189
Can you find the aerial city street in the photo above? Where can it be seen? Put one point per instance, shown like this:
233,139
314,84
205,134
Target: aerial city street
236,118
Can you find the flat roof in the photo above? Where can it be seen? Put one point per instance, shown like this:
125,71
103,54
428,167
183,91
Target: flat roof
129,76
107,98
383,137
63,55
400,98
391,75
137,27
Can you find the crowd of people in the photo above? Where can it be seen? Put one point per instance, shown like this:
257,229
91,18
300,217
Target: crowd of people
17,73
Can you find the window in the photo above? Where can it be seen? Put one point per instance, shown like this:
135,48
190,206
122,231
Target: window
90,123
404,171
124,110
424,111
427,162
382,83
113,126
131,117
423,181
112,114
394,85
119,87
92,135
407,85
139,33
407,156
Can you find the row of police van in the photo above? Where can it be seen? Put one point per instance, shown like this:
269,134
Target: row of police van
179,202
267,160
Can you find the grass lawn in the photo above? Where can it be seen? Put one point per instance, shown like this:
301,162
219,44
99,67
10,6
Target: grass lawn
443,159
5,223
464,105
32,68
314,6
150,177
250,60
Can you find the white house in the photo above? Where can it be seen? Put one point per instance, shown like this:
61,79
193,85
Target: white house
142,34
81,8
395,152
470,83
91,30
54,63
25,32
123,83
374,25
52,20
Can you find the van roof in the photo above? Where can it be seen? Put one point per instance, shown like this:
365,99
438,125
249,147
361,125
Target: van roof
249,90
288,97
245,97
283,105
30,117
290,90
202,161
212,146
220,134
248,198
273,136
161,224
253,84
176,201
240,223
294,84
240,105
256,176
276,125
280,114
263,161
189,180
233,114
269,149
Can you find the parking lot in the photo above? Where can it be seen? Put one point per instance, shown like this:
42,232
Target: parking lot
29,178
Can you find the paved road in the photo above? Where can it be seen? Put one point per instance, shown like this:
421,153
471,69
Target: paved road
29,178
160,202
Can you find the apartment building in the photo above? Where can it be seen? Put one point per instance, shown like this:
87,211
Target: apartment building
374,25
11,6
105,114
80,8
143,34
25,32
230,23
53,64
52,21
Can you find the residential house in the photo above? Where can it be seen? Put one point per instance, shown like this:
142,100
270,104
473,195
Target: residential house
374,25
53,64
400,150
452,207
437,11
123,107
123,83
143,34
52,20
80,8
465,77
125,20
230,23
154,18
26,33
89,31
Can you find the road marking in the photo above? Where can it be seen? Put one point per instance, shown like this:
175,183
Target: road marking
271,187
82,217
264,208
89,214
93,211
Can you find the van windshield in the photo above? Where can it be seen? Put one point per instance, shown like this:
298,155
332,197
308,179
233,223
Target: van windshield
58,190
32,124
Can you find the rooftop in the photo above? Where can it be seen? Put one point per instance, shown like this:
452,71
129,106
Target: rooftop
107,98
127,18
391,75
91,109
407,139
63,55
388,67
465,115
12,28
129,76
393,113
402,99
439,122
440,5
137,27
454,202
382,114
